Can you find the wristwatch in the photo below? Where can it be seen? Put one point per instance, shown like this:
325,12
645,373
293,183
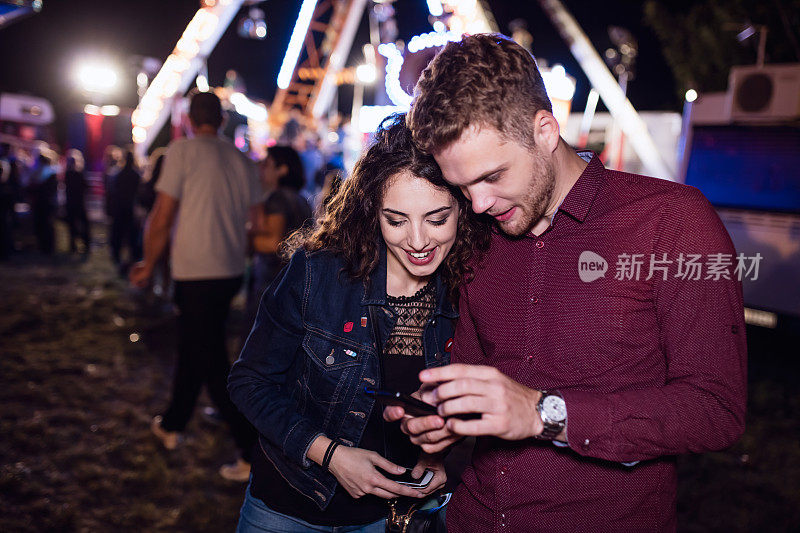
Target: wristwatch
553,410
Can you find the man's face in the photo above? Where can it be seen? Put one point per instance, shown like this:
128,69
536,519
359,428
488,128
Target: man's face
501,177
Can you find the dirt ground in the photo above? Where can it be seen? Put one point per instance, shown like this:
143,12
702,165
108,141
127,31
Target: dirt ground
85,362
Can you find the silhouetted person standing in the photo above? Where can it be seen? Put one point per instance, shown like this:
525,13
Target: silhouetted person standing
112,162
42,189
206,190
9,189
124,230
75,188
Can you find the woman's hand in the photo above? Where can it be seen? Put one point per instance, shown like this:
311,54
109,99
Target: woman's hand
434,463
356,471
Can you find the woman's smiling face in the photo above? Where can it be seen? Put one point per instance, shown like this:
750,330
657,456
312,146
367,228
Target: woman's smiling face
419,223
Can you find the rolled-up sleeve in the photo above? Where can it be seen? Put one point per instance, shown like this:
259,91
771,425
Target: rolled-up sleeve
258,380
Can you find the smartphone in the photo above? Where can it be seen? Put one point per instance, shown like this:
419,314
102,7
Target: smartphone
411,405
406,479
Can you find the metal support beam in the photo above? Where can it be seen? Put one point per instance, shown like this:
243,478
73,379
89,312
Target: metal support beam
604,82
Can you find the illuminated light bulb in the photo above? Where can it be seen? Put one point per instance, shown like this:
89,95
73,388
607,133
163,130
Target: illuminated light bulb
366,73
202,83
97,78
435,8
187,46
171,84
139,134
558,84
208,27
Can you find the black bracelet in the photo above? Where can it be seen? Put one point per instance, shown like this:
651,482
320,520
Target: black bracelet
326,459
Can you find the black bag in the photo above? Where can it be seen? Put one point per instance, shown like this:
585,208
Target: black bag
410,515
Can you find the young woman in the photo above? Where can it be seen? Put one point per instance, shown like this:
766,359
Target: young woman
366,300
283,211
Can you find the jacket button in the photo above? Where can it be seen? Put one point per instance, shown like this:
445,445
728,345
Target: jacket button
438,356
433,322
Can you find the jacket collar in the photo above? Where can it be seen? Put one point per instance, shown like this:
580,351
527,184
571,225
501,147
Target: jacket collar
375,289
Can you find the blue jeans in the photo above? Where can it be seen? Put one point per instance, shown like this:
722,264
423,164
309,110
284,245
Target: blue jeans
255,517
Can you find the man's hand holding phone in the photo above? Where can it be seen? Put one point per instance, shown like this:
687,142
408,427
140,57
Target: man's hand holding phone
428,432
507,408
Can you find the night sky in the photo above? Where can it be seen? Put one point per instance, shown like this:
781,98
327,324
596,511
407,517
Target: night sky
39,53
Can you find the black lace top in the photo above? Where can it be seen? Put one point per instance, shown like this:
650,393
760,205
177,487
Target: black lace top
413,312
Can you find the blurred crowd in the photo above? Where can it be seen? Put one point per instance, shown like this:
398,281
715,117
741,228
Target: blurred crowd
119,197
42,187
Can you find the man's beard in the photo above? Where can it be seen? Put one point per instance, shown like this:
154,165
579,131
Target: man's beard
537,198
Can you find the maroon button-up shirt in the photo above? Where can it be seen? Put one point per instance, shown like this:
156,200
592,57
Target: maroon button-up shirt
623,306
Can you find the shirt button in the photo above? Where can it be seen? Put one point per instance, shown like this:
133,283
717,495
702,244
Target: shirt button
535,300
502,472
529,358
540,244
586,444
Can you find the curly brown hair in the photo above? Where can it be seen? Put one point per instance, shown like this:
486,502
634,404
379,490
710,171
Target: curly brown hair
350,226
483,79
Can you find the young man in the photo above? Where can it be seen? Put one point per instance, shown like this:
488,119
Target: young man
581,325
205,190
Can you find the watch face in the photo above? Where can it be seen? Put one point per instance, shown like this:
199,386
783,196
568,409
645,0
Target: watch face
554,408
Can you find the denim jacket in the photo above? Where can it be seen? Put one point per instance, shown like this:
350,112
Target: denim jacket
304,366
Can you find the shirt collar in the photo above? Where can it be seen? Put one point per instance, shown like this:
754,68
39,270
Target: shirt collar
579,199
